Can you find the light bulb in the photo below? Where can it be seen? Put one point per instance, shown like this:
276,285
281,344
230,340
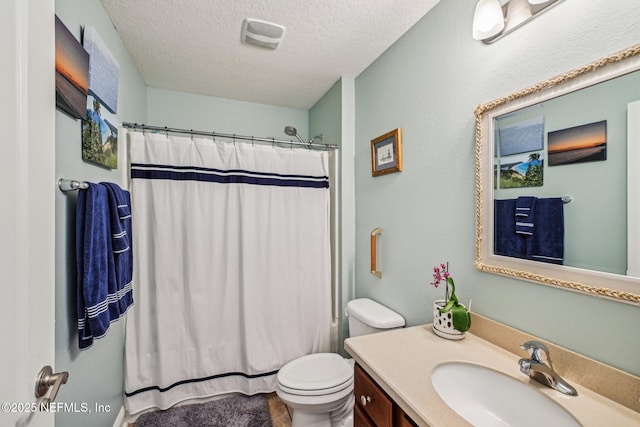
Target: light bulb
488,20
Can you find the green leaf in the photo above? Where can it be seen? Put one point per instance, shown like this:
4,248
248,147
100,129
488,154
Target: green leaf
448,307
453,297
461,318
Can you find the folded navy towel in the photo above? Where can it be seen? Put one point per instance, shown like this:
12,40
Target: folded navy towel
524,215
122,247
104,259
547,244
524,205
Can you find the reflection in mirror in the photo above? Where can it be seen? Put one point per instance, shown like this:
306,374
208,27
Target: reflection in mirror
552,180
573,145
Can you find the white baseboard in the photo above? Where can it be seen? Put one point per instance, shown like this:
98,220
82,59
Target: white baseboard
120,419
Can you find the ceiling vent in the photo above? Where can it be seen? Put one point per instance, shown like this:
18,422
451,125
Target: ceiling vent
262,33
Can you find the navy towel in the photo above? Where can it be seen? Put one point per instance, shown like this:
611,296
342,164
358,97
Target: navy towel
524,205
547,243
506,241
104,259
524,215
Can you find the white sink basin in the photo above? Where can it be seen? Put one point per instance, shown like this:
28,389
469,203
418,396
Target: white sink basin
487,398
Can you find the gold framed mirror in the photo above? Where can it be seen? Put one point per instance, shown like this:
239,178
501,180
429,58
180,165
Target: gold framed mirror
585,266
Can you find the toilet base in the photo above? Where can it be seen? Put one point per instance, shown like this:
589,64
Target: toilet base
339,417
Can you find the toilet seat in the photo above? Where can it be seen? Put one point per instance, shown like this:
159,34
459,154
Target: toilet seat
316,392
315,374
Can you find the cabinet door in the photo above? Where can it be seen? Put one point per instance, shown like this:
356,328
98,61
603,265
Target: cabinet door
402,419
360,419
372,400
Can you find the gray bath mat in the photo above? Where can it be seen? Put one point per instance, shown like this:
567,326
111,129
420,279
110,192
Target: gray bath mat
236,411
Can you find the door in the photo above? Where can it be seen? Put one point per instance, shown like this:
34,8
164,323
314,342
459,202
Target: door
27,190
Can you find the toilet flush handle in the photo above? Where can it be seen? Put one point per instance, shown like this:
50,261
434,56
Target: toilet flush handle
365,399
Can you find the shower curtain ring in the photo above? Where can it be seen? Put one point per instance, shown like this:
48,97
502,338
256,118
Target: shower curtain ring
166,132
273,143
191,135
252,144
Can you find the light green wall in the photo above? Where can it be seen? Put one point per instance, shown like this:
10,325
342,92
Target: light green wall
325,117
333,116
198,112
428,83
95,375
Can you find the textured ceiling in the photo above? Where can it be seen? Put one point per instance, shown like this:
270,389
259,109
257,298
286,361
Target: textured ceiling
194,45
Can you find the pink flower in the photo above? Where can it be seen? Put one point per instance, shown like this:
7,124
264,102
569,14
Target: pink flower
440,274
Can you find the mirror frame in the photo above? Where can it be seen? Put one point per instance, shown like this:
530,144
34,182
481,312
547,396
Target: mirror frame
618,287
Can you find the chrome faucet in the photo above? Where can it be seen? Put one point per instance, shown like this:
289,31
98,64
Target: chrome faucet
540,371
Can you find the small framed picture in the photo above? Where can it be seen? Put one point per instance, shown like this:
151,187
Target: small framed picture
386,153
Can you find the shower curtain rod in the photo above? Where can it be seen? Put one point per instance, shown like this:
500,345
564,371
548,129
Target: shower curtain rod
252,139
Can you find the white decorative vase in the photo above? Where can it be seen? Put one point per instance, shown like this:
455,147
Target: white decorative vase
443,322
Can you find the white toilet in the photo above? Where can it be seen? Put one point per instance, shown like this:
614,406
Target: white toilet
319,387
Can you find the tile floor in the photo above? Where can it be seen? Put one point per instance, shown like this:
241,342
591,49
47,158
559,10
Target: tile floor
280,416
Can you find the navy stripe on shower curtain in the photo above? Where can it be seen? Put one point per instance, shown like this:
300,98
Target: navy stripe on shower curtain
234,176
233,267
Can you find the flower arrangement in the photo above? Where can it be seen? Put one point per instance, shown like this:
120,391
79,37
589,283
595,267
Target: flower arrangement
460,315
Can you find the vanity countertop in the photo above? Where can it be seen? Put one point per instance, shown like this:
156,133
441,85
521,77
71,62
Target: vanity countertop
401,361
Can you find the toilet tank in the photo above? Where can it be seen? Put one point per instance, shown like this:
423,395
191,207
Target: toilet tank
368,317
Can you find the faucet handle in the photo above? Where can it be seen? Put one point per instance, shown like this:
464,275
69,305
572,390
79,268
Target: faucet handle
535,347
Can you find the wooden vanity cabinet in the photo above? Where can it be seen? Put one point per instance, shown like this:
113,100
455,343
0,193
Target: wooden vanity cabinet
374,408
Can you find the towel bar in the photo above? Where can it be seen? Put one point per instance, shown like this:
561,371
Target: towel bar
374,255
72,184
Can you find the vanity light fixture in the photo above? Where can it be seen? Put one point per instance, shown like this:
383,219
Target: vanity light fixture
493,19
518,11
488,19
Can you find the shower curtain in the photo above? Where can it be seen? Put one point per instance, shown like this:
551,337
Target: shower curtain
232,275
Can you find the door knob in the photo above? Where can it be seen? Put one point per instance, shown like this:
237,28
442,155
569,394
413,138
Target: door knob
46,379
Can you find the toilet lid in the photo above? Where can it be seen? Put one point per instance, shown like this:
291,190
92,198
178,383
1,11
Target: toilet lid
325,372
